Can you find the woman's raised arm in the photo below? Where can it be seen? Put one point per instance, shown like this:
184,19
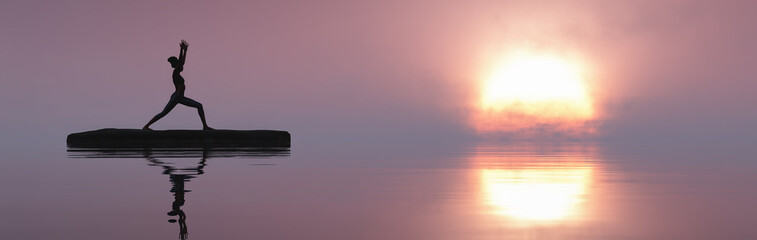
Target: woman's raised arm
183,51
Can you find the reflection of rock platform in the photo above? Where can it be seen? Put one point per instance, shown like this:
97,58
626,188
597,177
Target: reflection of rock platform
130,138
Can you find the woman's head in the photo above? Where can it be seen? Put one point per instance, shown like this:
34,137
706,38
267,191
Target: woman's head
174,61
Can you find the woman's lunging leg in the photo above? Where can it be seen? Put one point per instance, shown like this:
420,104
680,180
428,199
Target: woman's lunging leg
171,104
200,111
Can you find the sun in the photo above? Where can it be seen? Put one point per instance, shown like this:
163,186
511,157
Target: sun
527,89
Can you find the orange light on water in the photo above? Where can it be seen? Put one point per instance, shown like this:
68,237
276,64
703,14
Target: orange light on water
534,185
536,194
527,90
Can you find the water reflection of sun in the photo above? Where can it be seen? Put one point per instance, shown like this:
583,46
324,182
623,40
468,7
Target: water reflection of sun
534,188
535,194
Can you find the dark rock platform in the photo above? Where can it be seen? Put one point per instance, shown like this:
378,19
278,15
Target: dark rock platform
137,138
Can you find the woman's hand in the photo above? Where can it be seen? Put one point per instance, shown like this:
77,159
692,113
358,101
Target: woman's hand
183,44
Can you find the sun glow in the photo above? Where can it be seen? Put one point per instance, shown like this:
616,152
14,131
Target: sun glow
528,89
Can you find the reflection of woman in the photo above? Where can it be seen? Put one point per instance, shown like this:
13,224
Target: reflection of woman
178,194
178,96
179,176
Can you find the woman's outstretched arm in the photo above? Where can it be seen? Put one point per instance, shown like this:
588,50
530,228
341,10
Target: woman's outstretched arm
183,51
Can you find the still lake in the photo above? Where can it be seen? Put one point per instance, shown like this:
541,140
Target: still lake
507,190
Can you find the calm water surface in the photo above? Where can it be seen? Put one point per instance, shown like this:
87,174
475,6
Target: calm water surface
486,191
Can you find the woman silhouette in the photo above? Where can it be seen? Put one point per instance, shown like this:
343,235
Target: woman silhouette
178,96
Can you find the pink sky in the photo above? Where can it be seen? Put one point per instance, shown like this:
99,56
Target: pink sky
348,70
